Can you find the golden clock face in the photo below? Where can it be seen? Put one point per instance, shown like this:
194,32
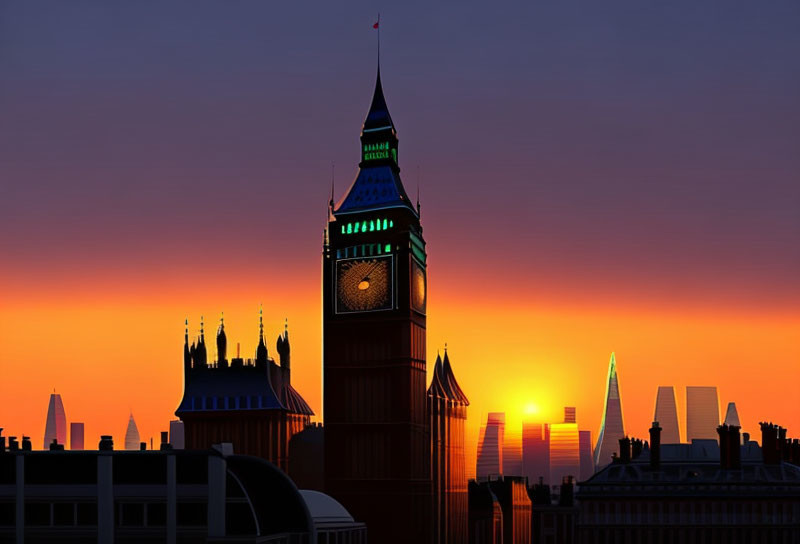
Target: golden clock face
364,284
419,287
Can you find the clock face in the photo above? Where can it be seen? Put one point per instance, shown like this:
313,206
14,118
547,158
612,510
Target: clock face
364,285
419,287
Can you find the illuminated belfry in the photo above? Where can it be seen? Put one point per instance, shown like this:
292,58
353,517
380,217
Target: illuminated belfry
612,427
447,406
248,402
377,427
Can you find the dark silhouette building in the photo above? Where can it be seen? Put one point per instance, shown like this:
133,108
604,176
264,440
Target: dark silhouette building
536,451
160,496
553,517
511,493
248,403
377,429
702,492
447,406
485,515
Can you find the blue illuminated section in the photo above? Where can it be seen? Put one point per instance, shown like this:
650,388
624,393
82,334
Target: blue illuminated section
375,188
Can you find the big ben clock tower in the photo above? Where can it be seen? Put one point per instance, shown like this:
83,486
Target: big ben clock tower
377,444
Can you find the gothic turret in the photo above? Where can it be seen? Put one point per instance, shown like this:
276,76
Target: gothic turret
261,351
222,343
201,355
282,345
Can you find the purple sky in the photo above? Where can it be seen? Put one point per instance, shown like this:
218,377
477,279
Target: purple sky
609,146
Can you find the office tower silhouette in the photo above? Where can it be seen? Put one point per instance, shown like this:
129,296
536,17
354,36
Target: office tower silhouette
732,415
76,436
702,412
132,440
377,426
611,427
176,438
570,415
667,415
585,454
56,423
490,447
536,452
447,406
564,448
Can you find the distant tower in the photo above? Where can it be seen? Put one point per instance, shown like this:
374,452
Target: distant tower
176,439
512,452
222,343
76,436
732,415
564,448
585,454
667,415
490,447
447,406
56,424
702,412
612,427
132,440
536,452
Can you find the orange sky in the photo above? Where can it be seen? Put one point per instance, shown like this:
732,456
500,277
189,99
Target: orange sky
114,345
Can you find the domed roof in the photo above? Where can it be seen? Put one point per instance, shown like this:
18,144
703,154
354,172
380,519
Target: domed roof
324,508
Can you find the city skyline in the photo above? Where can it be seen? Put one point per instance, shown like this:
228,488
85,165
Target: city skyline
117,271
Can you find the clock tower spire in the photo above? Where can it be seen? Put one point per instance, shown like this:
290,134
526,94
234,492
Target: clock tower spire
377,433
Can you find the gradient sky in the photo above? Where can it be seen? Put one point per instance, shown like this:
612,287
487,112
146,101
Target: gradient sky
593,177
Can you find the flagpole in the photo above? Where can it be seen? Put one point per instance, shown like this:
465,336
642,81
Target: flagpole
379,40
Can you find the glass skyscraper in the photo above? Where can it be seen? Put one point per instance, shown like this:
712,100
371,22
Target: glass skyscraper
611,428
564,448
56,424
490,447
702,412
667,415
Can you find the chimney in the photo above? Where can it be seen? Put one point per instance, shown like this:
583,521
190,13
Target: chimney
796,452
106,443
2,441
165,445
724,447
770,451
541,492
745,438
26,443
625,450
566,498
655,446
13,445
142,446
734,448
55,446
636,448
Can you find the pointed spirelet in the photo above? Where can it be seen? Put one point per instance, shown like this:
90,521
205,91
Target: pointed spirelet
378,116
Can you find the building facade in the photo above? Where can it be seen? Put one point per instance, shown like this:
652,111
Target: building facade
377,428
612,427
167,496
536,451
447,406
76,431
248,403
565,461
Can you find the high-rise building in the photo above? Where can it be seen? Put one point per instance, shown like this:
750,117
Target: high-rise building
667,415
490,447
132,440
732,415
250,403
377,429
585,454
536,452
56,423
612,427
564,449
176,437
512,452
570,414
76,436
702,412
447,406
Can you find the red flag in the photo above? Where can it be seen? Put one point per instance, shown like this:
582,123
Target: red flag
377,24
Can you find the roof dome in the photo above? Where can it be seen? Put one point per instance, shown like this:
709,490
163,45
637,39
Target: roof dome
324,508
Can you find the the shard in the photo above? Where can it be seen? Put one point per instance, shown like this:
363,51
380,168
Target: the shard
611,428
132,435
667,415
56,425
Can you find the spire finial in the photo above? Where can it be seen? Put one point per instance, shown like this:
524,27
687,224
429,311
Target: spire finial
222,319
377,26
333,177
261,321
186,327
445,347
202,329
286,326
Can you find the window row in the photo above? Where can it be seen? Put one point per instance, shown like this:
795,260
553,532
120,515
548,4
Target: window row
367,226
